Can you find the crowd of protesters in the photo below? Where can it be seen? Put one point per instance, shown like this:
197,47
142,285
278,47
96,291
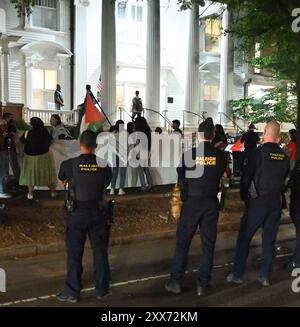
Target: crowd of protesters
38,170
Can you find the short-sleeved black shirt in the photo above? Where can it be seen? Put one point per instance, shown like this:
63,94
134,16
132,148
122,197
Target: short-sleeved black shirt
250,140
212,163
36,142
88,176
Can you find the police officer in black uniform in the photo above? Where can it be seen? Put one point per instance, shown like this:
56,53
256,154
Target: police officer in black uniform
87,176
295,211
199,182
261,189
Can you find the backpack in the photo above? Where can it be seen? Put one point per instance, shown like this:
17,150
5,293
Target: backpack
138,105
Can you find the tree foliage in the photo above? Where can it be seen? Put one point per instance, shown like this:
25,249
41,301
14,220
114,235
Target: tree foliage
23,7
268,23
278,103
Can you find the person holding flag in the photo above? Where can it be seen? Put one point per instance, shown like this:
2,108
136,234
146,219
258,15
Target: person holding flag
90,117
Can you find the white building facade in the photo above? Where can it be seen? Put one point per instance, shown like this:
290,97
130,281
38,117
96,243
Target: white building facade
38,53
181,62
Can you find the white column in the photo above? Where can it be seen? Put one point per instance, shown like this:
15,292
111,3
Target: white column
224,68
192,95
5,57
29,88
80,53
152,100
108,59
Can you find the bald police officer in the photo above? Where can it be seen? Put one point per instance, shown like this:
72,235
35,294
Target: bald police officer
295,211
261,189
200,208
87,176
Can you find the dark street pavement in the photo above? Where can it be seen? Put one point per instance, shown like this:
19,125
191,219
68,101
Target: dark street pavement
140,270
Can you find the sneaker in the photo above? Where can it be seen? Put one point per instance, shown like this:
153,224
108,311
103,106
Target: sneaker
290,266
5,196
29,196
121,191
65,297
232,279
112,191
104,295
173,286
201,290
264,281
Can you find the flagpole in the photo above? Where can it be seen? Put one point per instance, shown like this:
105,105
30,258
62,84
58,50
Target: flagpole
105,115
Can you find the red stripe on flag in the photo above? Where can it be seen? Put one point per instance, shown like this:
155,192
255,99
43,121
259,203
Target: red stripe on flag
92,114
237,145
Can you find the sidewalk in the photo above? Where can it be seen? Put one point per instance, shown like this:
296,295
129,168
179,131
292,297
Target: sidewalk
36,227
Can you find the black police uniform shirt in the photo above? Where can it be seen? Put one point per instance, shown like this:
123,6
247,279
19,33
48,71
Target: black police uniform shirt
250,140
213,162
88,176
295,191
267,171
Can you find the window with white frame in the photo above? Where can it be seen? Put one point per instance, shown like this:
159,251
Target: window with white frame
211,92
137,20
122,28
212,35
45,14
122,10
44,84
130,22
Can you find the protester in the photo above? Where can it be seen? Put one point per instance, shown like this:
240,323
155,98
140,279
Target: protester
58,98
220,139
119,166
175,127
133,170
59,131
250,139
37,169
292,146
13,156
4,161
158,130
209,120
142,126
130,127
137,106
81,110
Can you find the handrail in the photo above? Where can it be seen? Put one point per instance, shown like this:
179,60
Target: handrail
121,109
166,120
230,119
191,113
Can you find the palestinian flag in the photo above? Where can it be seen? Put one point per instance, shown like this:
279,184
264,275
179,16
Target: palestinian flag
237,146
90,117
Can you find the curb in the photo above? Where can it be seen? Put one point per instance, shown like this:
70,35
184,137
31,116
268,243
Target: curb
25,251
